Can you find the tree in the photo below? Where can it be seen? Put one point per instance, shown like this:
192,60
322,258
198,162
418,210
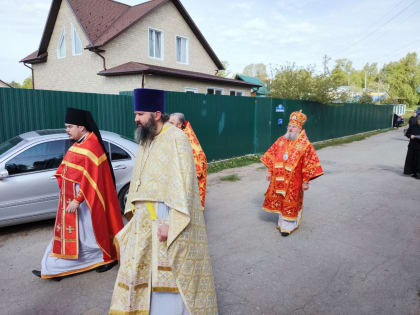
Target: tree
402,78
258,70
341,72
15,84
27,84
303,84
224,73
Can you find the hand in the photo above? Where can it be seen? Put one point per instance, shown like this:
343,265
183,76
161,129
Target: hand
268,176
305,186
72,207
412,137
163,232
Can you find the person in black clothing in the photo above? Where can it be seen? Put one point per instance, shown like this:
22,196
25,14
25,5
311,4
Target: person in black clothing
412,161
412,119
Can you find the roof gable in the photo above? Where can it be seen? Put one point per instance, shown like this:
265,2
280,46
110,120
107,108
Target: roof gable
104,20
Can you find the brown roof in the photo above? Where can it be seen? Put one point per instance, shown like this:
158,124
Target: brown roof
1,81
103,20
141,68
34,58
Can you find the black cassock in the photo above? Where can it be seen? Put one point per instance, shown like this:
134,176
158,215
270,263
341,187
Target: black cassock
412,161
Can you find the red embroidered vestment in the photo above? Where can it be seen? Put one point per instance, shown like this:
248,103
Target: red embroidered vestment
288,172
86,164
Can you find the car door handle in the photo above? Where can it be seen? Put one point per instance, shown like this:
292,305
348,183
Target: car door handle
119,167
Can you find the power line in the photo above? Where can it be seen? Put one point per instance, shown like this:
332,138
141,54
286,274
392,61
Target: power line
352,46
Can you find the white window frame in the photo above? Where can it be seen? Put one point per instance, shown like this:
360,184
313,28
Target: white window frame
187,53
190,89
162,43
73,42
62,41
216,89
236,92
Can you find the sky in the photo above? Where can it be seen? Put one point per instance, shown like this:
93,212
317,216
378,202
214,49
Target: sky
241,32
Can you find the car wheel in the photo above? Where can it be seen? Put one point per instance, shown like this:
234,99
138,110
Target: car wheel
122,197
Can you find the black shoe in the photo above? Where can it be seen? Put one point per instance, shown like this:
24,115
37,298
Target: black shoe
106,267
414,175
36,273
285,234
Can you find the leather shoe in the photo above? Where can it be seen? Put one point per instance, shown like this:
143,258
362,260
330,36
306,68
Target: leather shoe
106,267
285,234
36,273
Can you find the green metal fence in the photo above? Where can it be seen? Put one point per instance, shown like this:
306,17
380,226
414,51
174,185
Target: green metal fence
226,126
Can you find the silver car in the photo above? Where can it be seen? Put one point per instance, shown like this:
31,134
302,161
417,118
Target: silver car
28,187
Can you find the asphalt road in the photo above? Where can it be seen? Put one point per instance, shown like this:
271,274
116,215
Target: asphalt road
356,252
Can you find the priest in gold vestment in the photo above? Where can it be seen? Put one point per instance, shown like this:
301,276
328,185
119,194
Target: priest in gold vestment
165,267
292,162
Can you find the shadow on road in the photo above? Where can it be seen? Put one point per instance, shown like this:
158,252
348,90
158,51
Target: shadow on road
24,229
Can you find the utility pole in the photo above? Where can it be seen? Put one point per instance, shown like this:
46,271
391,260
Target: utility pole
365,80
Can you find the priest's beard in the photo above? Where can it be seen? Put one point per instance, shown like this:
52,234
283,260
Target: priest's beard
147,132
291,135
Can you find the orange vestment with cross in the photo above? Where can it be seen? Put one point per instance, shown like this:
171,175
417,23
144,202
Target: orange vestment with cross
200,161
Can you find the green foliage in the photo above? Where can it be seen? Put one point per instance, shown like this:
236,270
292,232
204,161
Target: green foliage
365,99
230,178
27,83
402,78
345,140
224,73
293,82
258,70
15,84
218,166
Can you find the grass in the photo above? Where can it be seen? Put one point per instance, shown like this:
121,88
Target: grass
215,167
345,140
230,178
218,166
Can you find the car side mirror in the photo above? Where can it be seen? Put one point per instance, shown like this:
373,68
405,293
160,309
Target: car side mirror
4,173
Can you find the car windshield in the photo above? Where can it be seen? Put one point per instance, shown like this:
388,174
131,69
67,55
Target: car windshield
7,145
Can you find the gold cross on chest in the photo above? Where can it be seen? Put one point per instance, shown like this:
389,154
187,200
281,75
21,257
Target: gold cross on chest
70,229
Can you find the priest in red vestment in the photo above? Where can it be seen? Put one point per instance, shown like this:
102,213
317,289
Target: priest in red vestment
292,162
88,214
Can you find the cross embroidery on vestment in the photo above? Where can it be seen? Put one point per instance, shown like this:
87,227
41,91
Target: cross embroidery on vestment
70,229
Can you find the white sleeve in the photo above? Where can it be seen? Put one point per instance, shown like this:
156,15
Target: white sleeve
162,211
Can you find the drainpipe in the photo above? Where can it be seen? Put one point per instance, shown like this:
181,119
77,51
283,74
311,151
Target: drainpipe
33,79
103,58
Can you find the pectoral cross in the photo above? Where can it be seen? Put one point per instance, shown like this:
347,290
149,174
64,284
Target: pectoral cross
70,229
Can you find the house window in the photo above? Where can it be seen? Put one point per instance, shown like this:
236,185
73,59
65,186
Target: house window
190,90
155,44
182,49
76,42
236,93
216,91
61,47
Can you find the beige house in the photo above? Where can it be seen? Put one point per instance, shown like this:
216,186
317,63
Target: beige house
4,84
103,46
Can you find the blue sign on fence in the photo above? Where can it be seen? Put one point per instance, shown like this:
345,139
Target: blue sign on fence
279,108
279,121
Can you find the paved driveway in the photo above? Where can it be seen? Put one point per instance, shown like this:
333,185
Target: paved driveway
357,251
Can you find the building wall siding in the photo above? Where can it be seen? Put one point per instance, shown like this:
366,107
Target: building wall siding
79,73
